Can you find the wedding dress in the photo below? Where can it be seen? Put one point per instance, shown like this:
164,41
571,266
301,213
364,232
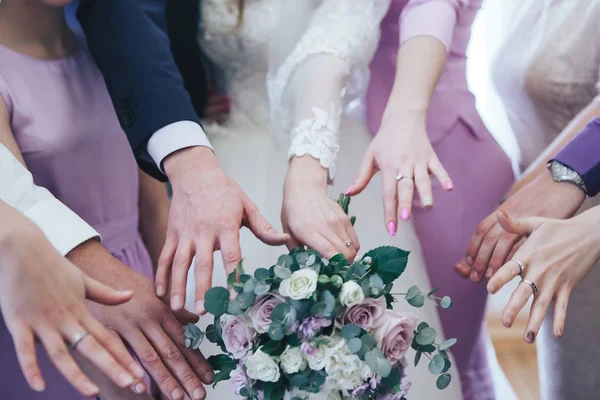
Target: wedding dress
289,57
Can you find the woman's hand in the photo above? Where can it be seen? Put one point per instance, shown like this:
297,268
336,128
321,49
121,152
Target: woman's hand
310,216
42,295
402,152
217,108
557,255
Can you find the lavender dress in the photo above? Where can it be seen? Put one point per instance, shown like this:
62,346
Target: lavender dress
65,125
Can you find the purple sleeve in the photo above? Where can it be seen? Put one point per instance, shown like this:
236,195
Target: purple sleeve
582,154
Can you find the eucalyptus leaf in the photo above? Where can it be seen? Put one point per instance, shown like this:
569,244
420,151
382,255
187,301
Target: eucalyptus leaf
355,345
232,278
418,355
422,326
262,289
246,299
426,336
393,379
437,364
447,344
211,334
285,261
276,331
417,301
443,381
447,365
216,300
378,363
221,361
262,274
282,272
188,343
446,302
368,341
435,289
274,348
234,308
249,286
350,331
412,292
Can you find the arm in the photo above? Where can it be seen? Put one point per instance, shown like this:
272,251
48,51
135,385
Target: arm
427,30
154,214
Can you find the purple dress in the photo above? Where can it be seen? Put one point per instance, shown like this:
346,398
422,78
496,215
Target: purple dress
64,123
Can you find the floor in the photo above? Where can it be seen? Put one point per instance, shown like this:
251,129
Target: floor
517,358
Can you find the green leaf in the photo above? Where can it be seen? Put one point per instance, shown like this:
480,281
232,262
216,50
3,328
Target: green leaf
417,301
245,278
412,292
211,334
393,379
283,314
443,381
223,375
262,289
293,340
392,262
232,278
221,361
192,331
437,364
446,302
355,345
249,286
418,355
246,299
276,331
274,348
216,300
426,336
319,309
378,363
234,308
368,341
447,344
262,274
422,326
435,289
447,365
282,272
337,281
350,331
285,261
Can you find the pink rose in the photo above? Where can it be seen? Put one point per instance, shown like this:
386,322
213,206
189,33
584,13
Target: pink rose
238,380
395,334
237,336
367,315
260,313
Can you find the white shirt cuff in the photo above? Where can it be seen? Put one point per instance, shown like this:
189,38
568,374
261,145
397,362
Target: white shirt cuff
173,137
63,228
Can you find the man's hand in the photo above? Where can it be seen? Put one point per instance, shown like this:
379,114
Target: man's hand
207,211
147,325
42,296
491,246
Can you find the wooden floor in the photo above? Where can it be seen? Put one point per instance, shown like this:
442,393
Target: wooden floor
517,358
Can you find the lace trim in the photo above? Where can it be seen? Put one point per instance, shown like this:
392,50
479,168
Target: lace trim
318,137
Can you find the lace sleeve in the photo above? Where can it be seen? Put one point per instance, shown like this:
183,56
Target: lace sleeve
319,63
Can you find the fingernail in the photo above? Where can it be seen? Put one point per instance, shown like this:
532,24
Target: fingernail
138,371
469,260
139,388
198,394
392,228
160,290
530,337
506,322
449,185
209,377
176,303
489,273
200,306
37,384
404,214
125,379
559,333
474,276
177,394
350,188
427,202
90,388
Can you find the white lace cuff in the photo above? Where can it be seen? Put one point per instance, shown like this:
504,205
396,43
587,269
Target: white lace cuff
318,137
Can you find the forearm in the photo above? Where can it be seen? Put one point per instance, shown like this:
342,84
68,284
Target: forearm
154,212
306,170
571,131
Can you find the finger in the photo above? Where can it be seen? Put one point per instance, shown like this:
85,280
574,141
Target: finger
536,315
365,173
505,274
173,358
339,239
463,270
423,184
62,360
484,254
292,243
477,239
155,367
503,248
516,248
520,226
100,293
165,262
406,189
390,201
185,317
261,227
561,302
231,252
195,358
114,345
203,270
438,170
352,235
181,266
323,245
25,349
517,301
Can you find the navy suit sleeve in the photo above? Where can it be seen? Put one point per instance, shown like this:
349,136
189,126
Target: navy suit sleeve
128,41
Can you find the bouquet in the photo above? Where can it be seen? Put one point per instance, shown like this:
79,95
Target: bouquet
308,327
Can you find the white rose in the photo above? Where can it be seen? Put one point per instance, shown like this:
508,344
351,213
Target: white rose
345,371
317,361
292,360
351,294
262,367
301,285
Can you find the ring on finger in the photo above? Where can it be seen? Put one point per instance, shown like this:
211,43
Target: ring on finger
520,265
348,243
77,338
401,176
533,285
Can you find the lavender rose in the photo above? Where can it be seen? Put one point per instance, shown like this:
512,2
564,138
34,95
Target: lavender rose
367,315
260,313
237,336
238,380
395,334
309,327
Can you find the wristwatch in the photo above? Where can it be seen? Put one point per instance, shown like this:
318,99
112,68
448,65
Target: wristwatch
562,173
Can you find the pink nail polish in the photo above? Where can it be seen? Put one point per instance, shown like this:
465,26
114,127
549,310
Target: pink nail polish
391,228
404,214
449,185
350,188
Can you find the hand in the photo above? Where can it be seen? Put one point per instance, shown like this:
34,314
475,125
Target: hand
401,147
217,108
42,295
148,325
207,212
491,246
310,216
556,257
